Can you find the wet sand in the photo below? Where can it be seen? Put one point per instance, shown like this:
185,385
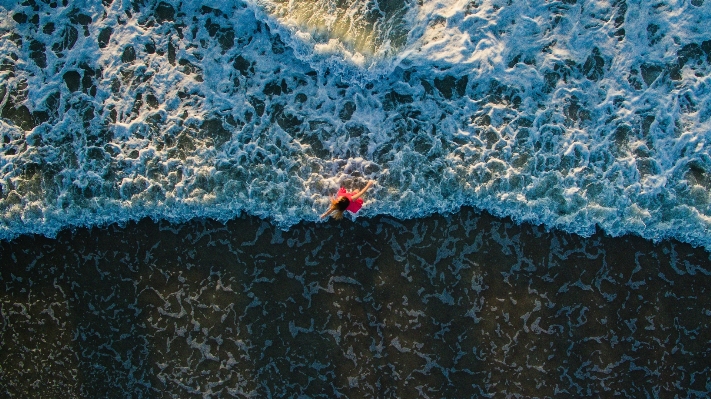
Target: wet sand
465,305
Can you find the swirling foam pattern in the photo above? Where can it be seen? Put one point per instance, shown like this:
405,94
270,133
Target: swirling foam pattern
575,115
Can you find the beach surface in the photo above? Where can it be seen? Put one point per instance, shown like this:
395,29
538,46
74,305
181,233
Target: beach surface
463,305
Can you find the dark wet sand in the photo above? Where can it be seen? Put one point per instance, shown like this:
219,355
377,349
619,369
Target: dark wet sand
465,305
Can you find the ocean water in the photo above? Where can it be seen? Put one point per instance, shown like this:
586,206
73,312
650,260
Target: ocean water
539,225
575,115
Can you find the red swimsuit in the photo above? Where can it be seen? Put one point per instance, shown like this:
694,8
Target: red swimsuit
354,205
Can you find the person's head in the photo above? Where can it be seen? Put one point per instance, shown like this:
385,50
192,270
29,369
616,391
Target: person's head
339,206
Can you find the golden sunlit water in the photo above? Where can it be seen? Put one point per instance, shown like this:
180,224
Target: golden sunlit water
368,28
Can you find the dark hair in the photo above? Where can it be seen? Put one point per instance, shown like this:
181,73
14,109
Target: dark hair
342,203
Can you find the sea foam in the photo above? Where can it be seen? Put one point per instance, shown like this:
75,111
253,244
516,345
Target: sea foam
576,115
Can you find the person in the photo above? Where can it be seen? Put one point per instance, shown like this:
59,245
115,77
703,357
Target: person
345,201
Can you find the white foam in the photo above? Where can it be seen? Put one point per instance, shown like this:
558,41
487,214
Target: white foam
609,151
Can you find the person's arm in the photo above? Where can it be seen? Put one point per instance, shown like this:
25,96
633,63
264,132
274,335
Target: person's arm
328,212
361,192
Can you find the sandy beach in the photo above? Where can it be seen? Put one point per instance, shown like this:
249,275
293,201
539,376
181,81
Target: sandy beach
465,305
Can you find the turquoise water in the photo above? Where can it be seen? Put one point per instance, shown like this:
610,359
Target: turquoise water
577,116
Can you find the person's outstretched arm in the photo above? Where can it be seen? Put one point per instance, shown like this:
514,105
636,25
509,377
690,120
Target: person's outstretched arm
361,192
328,212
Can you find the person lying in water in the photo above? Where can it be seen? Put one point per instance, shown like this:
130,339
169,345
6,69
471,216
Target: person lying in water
345,201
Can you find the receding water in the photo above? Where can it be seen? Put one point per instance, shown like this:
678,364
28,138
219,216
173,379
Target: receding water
461,306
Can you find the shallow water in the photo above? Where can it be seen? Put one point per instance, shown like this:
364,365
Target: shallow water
576,115
465,305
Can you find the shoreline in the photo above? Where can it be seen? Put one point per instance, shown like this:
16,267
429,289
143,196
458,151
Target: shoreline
64,232
461,305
